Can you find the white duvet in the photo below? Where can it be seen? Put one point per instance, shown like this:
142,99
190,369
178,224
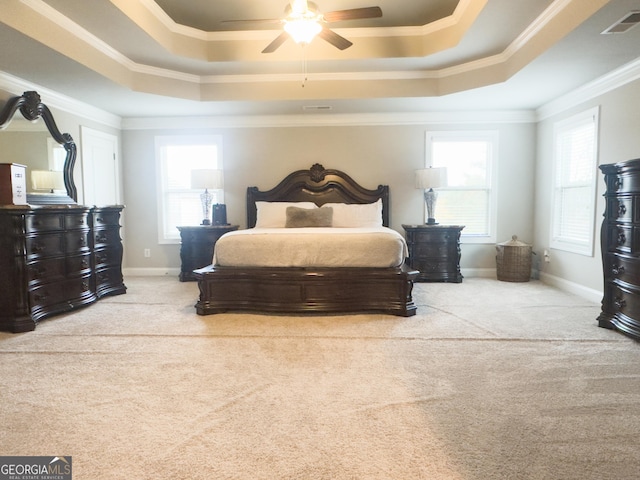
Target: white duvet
379,247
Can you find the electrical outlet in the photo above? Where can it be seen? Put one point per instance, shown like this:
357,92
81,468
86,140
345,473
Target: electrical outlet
547,258
147,252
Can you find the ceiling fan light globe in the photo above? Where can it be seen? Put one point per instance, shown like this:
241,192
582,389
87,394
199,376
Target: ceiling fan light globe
302,30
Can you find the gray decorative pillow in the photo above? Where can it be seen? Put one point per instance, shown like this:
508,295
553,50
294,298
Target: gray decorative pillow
305,217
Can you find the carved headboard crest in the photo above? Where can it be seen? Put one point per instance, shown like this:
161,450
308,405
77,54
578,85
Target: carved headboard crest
317,172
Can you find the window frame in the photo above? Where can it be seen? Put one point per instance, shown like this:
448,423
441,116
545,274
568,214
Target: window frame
557,241
163,141
492,138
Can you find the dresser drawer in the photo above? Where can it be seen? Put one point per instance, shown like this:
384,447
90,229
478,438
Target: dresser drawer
106,218
623,300
108,256
623,238
46,270
47,245
60,292
621,209
44,223
106,236
77,241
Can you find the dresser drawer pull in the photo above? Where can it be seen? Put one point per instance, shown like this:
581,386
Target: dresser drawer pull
101,238
619,303
622,209
617,183
85,286
37,247
622,238
84,263
101,257
618,270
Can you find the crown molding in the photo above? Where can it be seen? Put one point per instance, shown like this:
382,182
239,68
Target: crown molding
324,120
53,99
617,78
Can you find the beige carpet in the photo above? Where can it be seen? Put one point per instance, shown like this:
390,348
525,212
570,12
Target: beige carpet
490,381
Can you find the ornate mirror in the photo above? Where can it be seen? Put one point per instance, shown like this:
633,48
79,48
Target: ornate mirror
31,109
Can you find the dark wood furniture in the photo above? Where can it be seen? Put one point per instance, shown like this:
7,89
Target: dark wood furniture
309,290
196,247
620,242
434,250
55,255
55,259
31,108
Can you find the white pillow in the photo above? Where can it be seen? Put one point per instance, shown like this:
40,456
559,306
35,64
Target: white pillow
365,215
274,214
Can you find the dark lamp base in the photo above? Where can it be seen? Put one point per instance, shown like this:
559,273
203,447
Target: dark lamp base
431,221
206,221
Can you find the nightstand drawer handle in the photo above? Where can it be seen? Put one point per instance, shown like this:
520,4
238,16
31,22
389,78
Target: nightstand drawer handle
622,238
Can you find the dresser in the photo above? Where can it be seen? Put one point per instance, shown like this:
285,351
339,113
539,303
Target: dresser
434,250
196,247
56,258
620,242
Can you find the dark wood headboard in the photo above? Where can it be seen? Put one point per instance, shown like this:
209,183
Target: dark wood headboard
320,186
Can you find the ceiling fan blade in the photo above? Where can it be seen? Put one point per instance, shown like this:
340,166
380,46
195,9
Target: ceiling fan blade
334,39
279,40
353,14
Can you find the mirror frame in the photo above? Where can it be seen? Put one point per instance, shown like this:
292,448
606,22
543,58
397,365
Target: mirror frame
31,109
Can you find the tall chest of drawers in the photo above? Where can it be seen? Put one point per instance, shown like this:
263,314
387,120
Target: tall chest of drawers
50,258
620,242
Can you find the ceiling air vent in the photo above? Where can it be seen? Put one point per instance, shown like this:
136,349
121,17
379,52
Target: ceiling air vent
316,107
623,25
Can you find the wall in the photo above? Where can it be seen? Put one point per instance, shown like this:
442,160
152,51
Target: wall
372,155
618,141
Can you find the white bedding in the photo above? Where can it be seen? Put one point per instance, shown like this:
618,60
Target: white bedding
378,247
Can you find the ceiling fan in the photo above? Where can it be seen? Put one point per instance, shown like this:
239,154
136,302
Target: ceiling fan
303,21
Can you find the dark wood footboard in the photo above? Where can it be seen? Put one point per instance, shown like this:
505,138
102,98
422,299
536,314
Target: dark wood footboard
301,290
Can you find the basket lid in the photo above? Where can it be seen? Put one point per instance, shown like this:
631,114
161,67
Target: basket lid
514,242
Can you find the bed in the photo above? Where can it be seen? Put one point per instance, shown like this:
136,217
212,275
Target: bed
320,287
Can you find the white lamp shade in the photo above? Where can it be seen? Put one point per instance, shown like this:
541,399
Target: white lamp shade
431,178
47,180
207,178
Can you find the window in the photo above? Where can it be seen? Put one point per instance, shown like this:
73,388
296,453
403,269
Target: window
574,183
178,204
469,198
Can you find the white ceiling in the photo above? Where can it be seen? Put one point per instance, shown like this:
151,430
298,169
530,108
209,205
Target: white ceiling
139,58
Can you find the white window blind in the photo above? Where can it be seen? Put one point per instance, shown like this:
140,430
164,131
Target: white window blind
575,165
178,203
470,196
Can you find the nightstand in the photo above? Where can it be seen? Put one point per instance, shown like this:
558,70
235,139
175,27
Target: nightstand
434,250
196,249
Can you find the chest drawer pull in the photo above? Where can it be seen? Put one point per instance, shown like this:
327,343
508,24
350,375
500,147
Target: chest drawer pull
622,209
617,269
622,238
619,303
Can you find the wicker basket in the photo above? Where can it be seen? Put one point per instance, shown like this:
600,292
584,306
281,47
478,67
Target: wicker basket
513,261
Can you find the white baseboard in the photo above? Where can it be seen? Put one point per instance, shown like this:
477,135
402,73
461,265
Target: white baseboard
589,294
150,272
